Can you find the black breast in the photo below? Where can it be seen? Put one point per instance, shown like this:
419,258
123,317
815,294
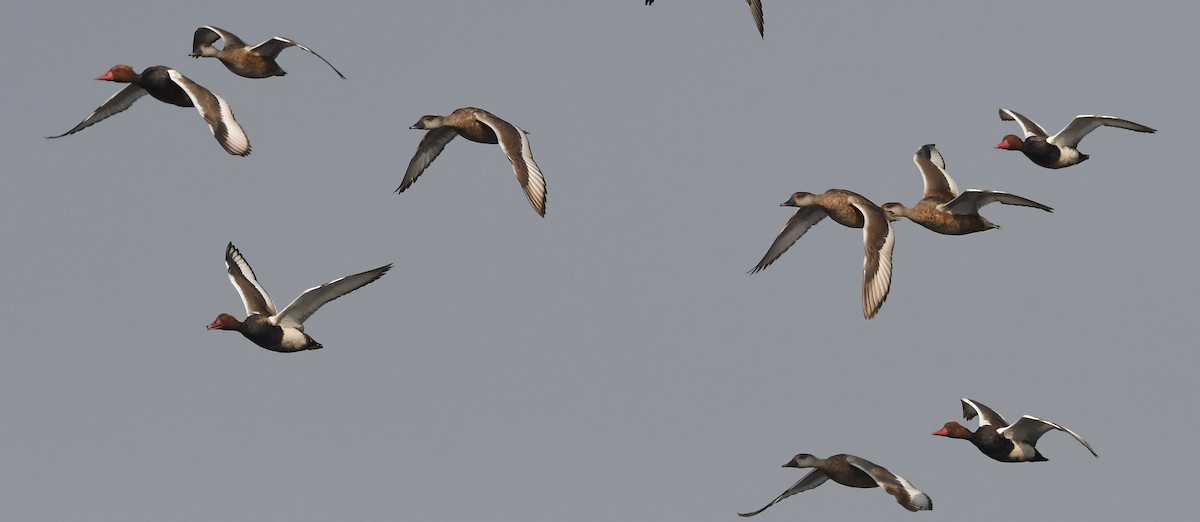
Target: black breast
1041,152
157,81
992,444
260,332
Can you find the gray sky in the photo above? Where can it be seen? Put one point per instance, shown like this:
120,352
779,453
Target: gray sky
612,361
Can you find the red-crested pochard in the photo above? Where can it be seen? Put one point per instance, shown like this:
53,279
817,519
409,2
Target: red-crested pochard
170,86
281,331
1058,151
1002,441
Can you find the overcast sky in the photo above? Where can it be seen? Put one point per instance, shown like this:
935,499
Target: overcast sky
612,361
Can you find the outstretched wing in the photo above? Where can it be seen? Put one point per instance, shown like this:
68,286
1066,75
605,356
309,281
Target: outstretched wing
254,297
314,298
908,496
271,48
756,12
987,416
114,104
207,35
515,144
1030,127
970,201
938,184
803,220
1029,429
878,241
431,145
1079,127
217,113
813,479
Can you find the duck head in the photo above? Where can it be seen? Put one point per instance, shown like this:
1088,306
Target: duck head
1010,142
119,73
801,460
225,322
894,210
427,121
953,430
799,199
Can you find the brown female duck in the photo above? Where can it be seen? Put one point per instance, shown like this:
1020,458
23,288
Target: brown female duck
856,472
851,210
479,126
243,60
943,209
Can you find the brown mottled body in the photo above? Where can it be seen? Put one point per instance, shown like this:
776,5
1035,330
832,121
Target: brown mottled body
927,215
463,121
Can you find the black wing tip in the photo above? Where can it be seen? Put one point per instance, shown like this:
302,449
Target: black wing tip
68,133
378,273
234,152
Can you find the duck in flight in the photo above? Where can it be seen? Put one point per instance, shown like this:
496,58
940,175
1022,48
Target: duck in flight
1002,441
1059,150
243,60
281,331
853,471
479,126
943,209
851,210
168,85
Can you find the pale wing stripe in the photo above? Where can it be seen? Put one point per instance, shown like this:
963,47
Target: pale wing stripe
987,416
938,184
514,142
813,479
1030,429
431,145
908,496
877,260
1084,124
114,104
314,298
230,40
800,222
239,273
221,123
314,53
970,201
230,134
1028,126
